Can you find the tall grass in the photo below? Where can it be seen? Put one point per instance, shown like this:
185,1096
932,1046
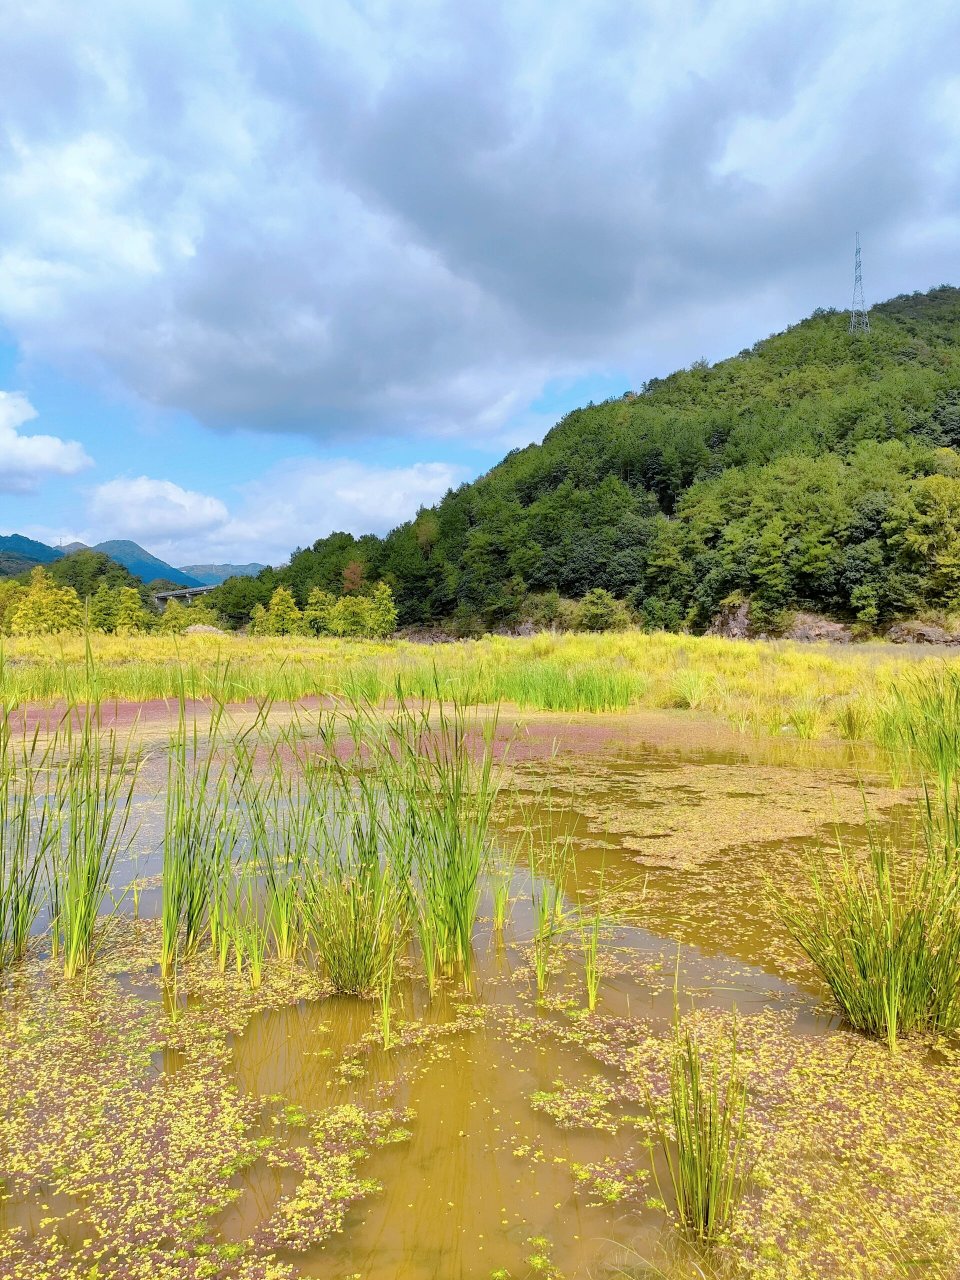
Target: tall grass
757,684
355,915
199,838
94,794
701,1131
28,828
884,934
443,788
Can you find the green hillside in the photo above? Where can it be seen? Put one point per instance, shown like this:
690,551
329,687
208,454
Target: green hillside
817,469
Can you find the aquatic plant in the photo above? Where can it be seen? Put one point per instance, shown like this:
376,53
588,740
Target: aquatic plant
884,934
576,672
282,821
94,794
546,896
248,931
28,827
200,834
501,881
590,943
925,715
442,793
701,1132
354,918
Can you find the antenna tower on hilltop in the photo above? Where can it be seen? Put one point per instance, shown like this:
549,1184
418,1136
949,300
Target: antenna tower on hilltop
859,319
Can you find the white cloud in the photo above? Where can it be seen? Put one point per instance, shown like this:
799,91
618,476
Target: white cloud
291,505
25,460
151,509
408,217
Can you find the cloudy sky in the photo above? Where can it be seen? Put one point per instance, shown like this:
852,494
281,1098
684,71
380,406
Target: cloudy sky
271,270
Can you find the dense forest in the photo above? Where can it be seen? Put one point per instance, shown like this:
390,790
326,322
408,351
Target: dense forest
817,469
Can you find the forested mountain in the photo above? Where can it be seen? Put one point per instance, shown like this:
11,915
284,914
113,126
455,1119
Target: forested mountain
816,469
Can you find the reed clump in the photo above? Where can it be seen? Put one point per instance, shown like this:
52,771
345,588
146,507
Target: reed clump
29,826
701,1130
884,934
94,796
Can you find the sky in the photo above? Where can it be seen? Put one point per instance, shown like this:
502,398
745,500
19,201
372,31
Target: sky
268,271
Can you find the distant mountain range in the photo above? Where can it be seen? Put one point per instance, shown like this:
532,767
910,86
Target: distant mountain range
19,554
211,575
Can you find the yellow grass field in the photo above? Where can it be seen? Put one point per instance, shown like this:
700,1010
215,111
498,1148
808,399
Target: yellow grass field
759,687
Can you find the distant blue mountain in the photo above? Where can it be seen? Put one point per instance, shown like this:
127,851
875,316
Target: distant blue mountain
15,544
143,564
211,575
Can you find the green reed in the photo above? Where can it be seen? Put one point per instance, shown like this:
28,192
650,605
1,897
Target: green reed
884,933
94,793
355,917
927,710
701,1131
200,835
590,944
443,788
283,818
502,880
355,906
28,828
247,929
547,900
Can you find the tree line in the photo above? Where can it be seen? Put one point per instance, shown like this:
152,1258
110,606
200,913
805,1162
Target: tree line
817,469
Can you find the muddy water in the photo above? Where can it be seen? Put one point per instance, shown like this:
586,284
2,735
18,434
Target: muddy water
672,833
487,1184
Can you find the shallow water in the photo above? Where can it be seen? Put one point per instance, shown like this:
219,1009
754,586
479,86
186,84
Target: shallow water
673,832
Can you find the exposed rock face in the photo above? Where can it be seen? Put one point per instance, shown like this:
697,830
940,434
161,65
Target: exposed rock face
201,629
810,626
733,621
920,633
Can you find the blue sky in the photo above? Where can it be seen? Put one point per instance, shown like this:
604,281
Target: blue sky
270,271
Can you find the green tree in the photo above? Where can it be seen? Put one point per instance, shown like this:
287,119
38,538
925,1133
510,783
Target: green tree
924,531
103,607
317,612
351,616
383,611
45,609
175,619
131,617
601,611
259,625
10,593
283,617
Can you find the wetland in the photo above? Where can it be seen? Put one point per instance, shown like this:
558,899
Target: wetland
370,991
